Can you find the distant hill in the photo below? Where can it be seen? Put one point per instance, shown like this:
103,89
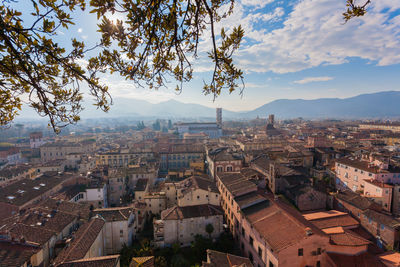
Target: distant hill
376,105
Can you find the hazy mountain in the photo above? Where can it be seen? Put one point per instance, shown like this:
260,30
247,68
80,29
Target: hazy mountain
377,105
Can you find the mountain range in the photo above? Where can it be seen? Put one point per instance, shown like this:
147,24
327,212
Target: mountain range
375,105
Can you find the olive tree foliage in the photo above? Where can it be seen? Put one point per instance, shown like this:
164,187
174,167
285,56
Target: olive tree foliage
355,8
156,40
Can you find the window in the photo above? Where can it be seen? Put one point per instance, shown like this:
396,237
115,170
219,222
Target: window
243,232
318,264
300,252
346,175
229,168
271,264
250,257
355,178
382,227
259,252
318,251
251,241
121,233
354,188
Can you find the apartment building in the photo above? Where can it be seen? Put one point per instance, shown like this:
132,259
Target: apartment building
194,190
351,173
119,227
181,224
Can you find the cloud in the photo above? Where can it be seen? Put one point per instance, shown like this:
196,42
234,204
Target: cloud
80,30
256,3
314,34
127,89
313,79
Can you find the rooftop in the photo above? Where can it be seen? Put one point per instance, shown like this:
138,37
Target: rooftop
179,213
83,240
25,190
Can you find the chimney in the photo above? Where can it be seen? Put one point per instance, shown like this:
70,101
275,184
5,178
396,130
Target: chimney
308,231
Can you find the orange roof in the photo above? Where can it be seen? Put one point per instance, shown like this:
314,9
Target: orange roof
333,230
390,258
323,214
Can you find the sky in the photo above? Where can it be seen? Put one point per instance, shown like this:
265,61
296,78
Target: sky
292,49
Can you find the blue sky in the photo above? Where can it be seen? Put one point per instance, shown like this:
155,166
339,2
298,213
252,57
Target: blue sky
292,49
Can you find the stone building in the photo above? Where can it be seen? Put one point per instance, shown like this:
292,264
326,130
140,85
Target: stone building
181,224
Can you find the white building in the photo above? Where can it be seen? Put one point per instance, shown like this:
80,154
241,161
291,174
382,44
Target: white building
211,129
120,227
181,224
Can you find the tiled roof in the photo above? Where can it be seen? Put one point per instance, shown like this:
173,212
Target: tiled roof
83,240
105,261
348,239
179,213
272,220
381,218
220,259
31,234
15,255
236,183
25,190
81,210
342,220
356,200
244,201
114,214
390,258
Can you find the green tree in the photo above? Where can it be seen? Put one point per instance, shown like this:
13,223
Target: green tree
209,229
157,39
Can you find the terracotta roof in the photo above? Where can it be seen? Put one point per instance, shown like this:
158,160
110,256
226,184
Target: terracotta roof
220,259
245,201
360,164
341,220
323,214
333,230
272,219
382,218
390,258
348,239
81,210
32,234
179,213
25,190
51,220
83,240
236,183
15,255
105,261
114,214
356,200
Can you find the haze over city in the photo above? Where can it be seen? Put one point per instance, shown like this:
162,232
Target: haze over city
205,133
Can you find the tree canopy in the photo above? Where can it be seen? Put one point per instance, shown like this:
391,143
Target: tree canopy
155,40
